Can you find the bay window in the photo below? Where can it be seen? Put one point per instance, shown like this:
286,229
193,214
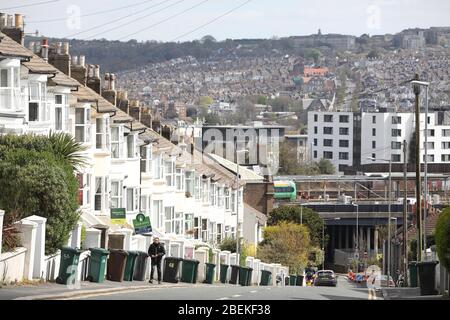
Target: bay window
197,188
158,213
10,96
132,199
189,178
227,199
102,133
116,194
82,124
61,112
158,168
179,179
116,142
189,225
146,159
169,171
84,188
101,193
38,108
169,219
131,146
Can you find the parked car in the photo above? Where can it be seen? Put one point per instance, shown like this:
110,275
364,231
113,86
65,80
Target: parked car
325,278
381,281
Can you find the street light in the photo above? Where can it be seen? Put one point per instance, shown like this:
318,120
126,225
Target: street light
323,240
425,177
357,226
389,212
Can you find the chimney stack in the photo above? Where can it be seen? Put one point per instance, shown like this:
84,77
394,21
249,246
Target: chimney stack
78,69
65,48
109,92
31,46
44,49
12,26
93,80
59,57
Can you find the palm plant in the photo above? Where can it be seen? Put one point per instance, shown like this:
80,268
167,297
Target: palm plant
64,145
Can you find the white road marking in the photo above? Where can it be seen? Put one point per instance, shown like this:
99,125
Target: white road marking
253,291
236,295
226,298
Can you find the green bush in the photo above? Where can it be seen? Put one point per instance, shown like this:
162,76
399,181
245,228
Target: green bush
442,237
228,244
37,181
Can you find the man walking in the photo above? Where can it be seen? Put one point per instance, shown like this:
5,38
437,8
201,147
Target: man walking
156,251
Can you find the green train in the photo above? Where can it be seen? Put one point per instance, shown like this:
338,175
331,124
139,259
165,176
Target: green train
285,190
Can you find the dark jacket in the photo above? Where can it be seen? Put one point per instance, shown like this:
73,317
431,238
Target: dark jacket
156,249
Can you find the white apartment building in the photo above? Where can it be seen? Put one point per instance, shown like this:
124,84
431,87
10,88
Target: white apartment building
330,136
382,136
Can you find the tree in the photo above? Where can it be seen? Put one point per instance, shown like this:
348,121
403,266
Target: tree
442,237
294,214
262,100
286,243
205,101
326,167
65,146
311,53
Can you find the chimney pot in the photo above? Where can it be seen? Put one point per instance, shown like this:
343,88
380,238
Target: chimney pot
75,60
113,81
10,21
44,51
58,47
3,22
31,46
97,71
82,60
65,48
19,21
107,81
90,69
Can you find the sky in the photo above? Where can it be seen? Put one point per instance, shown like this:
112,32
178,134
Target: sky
184,20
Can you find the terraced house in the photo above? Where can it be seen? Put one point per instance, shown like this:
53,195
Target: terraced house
188,196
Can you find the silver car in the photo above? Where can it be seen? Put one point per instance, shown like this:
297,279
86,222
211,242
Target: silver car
325,278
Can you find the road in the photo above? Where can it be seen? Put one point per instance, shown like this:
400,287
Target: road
343,291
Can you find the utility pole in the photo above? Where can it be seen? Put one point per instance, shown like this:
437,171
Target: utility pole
416,89
405,215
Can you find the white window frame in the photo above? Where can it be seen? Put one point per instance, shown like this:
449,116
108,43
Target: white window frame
38,97
179,179
131,153
146,201
178,224
212,194
227,195
117,143
118,196
134,198
169,219
85,188
85,126
102,133
169,172
147,159
158,168
10,95
158,213
198,187
189,177
63,107
188,224
103,194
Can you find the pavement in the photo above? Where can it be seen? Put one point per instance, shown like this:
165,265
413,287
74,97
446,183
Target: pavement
408,294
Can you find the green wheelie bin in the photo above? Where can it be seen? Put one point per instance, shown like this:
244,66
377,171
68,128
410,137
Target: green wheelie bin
68,265
292,279
97,264
413,274
223,273
189,270
129,265
249,276
244,273
210,268
266,277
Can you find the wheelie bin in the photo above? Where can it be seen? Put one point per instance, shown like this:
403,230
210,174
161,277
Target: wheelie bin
210,271
68,265
97,264
116,265
427,277
140,266
266,277
292,280
223,273
299,281
243,276
189,270
171,269
412,266
249,277
129,266
234,274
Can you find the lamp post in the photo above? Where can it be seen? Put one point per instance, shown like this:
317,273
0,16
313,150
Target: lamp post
389,212
238,240
425,177
323,240
357,227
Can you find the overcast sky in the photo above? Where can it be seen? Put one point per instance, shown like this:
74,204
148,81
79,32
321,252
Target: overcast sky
153,19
